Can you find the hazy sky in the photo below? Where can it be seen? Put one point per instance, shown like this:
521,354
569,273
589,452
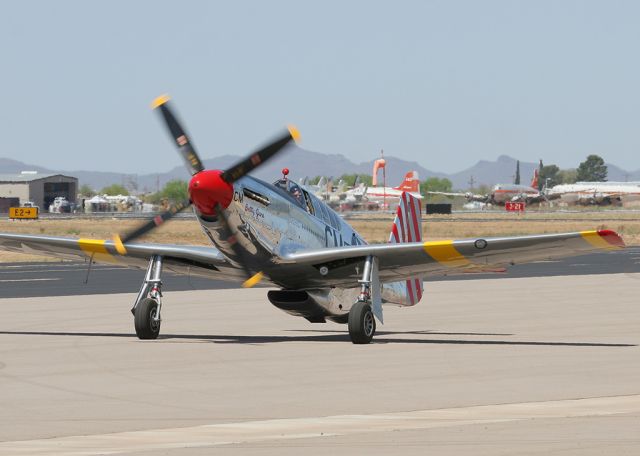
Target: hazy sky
445,83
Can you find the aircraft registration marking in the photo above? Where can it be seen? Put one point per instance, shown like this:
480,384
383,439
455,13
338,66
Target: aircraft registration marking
445,253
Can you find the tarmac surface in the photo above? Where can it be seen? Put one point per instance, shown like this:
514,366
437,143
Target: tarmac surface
539,365
68,278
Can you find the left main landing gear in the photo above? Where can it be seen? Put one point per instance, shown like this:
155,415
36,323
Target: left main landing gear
146,310
362,323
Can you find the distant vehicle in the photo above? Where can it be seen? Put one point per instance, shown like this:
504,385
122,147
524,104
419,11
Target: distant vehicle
475,206
60,205
30,204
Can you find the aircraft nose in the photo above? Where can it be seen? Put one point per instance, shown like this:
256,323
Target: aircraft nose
207,188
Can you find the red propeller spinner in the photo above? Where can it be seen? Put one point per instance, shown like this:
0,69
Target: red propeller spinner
207,189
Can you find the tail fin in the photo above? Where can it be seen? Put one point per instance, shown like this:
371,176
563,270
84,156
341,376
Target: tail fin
411,183
407,227
534,181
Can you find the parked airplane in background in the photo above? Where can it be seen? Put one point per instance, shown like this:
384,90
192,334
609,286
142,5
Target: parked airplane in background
390,196
340,197
595,193
320,267
503,193
314,188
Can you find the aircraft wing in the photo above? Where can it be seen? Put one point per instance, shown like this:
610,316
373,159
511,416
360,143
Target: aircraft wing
183,259
397,262
468,195
429,192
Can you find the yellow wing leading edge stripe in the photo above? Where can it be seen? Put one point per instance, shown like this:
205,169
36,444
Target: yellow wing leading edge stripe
96,248
91,246
445,253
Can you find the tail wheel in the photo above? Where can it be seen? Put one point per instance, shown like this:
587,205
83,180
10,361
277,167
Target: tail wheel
362,323
147,327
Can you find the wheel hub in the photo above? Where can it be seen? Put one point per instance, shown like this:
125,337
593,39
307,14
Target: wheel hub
369,324
154,323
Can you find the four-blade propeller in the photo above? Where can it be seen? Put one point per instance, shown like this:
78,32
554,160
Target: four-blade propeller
210,191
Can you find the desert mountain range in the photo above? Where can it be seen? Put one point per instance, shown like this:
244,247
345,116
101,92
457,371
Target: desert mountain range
303,163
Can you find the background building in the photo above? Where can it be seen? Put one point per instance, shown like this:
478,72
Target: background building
42,189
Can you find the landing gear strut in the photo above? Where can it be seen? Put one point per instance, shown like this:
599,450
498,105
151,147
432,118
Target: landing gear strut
146,310
362,322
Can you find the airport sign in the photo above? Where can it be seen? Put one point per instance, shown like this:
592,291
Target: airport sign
512,206
23,212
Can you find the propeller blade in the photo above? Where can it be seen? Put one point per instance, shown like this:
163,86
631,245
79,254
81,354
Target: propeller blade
261,156
144,228
252,279
186,149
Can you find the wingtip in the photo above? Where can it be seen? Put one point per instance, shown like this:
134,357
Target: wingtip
159,101
612,238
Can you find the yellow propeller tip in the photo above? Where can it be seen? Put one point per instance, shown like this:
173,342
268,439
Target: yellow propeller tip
162,99
295,134
253,281
117,242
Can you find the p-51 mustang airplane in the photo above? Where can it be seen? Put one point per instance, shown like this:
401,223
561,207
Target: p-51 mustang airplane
282,234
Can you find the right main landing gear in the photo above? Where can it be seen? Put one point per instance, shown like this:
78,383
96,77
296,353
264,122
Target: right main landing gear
146,310
362,321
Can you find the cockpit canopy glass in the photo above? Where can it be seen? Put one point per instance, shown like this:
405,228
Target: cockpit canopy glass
293,189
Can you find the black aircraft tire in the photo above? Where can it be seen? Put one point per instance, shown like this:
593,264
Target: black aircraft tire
362,323
146,328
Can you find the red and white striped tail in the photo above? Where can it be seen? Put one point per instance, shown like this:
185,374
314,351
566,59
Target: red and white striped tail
407,227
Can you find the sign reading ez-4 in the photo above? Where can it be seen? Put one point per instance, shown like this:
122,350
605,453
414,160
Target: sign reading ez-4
23,212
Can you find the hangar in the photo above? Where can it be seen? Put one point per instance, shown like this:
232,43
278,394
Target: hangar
39,188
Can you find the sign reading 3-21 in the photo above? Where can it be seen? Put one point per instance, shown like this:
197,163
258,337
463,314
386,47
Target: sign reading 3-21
23,212
512,206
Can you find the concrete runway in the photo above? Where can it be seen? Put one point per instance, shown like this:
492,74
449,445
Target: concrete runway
526,365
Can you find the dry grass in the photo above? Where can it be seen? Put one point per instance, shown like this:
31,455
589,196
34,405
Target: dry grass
437,227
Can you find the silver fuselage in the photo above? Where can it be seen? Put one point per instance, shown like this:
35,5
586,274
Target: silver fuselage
270,223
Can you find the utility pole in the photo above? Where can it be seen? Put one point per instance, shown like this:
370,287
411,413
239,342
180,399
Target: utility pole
471,182
384,181
540,166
